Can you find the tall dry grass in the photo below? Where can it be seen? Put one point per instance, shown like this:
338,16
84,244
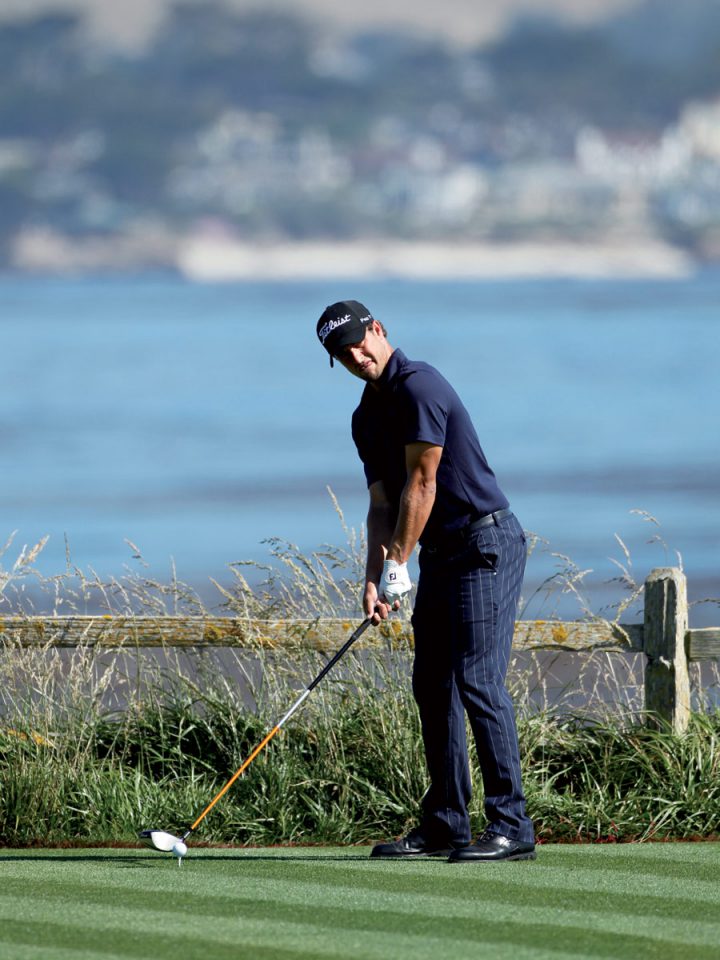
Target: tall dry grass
96,744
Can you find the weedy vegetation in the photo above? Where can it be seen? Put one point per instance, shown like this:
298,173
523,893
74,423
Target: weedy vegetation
96,743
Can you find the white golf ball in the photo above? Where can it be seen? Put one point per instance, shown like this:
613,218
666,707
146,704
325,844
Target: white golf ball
179,849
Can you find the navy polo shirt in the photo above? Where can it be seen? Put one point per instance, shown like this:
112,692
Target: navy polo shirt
415,403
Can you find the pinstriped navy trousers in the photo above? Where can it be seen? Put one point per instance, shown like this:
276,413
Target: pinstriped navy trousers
463,623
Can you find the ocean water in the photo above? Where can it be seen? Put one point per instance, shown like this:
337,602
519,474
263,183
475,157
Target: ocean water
198,420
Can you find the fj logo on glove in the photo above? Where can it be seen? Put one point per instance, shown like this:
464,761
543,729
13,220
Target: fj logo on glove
395,582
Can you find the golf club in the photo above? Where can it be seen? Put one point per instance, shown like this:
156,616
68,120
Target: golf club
167,842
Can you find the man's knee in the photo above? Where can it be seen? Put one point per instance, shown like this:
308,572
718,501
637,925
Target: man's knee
483,695
429,684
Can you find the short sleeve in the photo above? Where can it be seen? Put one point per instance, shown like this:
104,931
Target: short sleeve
426,407
367,451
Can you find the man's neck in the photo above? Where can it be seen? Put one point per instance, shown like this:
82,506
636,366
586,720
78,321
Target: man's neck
377,384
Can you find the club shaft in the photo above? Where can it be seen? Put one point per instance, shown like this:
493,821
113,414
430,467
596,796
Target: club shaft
266,740
340,653
258,749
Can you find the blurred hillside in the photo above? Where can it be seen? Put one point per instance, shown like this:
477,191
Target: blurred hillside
131,24
259,127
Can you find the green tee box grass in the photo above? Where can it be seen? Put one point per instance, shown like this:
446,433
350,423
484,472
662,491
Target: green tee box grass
659,901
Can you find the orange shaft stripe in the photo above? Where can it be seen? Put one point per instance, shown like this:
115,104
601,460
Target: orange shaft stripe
237,774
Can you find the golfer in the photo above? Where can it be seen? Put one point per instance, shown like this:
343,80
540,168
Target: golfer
429,483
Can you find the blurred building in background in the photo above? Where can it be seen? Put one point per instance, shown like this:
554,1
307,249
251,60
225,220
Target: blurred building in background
231,127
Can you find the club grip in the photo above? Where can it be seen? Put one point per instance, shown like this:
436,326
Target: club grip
341,652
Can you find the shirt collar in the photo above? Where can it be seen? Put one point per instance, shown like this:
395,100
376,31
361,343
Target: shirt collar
392,368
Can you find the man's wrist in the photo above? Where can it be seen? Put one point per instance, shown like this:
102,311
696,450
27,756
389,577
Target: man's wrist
395,553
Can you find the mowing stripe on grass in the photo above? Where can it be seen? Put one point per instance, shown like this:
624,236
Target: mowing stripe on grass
292,904
354,894
300,916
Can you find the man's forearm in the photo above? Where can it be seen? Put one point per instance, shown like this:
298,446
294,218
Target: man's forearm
416,505
381,521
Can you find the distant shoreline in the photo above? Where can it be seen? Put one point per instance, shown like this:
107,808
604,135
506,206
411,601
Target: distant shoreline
210,260
216,258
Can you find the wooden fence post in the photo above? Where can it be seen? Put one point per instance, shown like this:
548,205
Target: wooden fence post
667,684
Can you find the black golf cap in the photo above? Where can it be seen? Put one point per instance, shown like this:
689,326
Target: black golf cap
343,323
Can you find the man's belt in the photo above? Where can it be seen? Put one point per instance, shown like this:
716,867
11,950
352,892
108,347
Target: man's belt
486,521
456,538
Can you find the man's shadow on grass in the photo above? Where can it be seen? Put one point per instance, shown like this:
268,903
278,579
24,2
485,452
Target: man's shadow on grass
143,859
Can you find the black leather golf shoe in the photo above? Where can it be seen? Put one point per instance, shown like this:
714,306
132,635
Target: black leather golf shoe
491,847
414,845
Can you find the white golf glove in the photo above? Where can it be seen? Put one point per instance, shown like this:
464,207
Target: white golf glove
395,581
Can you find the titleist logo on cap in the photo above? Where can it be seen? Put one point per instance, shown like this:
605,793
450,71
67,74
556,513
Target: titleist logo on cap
325,331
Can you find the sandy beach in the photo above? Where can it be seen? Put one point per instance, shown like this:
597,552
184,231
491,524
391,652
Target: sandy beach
217,260
215,257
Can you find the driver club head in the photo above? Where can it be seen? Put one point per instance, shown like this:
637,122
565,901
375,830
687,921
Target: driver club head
160,840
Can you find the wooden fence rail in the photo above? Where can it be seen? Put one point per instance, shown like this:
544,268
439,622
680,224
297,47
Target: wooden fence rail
663,637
